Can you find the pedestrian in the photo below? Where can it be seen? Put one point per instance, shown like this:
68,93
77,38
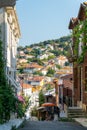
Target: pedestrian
55,114
58,111
48,116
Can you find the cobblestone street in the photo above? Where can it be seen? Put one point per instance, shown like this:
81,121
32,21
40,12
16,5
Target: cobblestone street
51,125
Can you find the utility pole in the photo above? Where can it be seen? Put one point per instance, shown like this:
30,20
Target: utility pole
55,81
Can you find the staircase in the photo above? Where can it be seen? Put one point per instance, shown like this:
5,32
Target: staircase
75,112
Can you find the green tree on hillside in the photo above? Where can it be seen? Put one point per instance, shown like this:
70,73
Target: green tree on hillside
50,72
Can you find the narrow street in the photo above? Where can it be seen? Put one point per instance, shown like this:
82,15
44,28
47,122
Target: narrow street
51,125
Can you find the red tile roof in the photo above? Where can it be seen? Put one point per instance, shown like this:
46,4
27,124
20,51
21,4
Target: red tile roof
36,78
26,86
33,65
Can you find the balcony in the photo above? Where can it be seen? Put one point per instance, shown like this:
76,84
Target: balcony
17,86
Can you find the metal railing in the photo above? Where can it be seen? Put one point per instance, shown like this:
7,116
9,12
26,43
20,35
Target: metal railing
13,82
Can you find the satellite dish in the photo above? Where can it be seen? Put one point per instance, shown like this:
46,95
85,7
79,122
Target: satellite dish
6,3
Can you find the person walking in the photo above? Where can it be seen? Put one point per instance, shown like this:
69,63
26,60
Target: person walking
58,111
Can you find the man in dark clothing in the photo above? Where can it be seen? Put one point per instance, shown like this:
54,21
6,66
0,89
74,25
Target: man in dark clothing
57,111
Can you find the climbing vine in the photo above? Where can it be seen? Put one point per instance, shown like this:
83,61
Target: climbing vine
9,102
7,98
80,36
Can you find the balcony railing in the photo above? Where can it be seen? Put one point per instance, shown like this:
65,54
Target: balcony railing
14,83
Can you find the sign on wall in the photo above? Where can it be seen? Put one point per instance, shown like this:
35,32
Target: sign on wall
6,3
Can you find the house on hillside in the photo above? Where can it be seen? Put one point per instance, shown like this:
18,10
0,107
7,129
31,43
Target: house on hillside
28,49
42,56
61,60
27,89
29,56
49,46
23,60
79,56
21,53
36,81
64,70
10,34
44,71
45,55
32,67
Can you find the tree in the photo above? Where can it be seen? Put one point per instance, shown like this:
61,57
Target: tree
22,106
51,57
41,98
58,66
50,72
20,70
38,73
66,63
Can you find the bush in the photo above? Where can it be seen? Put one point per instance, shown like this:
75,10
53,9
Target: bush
13,127
34,112
64,119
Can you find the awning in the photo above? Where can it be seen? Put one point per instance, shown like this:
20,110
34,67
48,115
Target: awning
48,104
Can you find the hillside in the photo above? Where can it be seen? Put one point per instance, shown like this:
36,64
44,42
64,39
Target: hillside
60,46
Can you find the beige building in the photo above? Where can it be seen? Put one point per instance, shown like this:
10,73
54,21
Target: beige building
10,34
61,60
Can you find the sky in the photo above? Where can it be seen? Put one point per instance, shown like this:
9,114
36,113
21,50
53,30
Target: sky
42,20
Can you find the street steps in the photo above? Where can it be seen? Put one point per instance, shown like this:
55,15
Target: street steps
76,112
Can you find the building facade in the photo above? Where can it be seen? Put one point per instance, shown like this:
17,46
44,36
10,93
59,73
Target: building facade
79,56
9,35
65,90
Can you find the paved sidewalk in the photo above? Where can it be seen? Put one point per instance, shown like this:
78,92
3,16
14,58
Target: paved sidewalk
82,121
8,125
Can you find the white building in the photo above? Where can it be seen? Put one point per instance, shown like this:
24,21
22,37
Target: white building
49,46
9,35
27,89
61,60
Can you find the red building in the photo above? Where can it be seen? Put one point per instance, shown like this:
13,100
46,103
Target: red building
79,57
